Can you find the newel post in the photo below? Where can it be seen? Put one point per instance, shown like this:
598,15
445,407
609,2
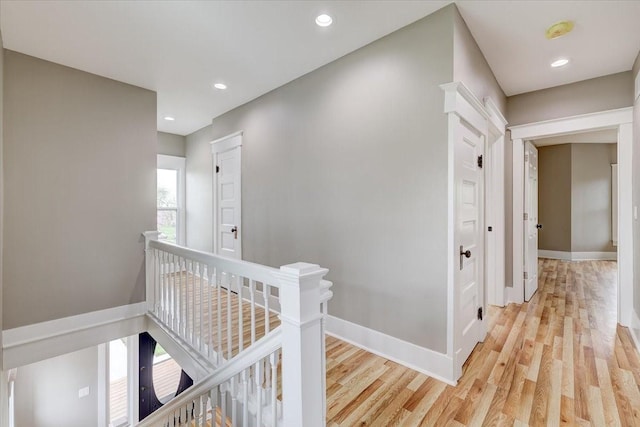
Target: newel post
149,269
303,369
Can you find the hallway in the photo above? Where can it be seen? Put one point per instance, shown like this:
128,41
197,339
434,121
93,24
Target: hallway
558,360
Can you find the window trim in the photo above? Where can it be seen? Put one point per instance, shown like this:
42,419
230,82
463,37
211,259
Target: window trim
178,164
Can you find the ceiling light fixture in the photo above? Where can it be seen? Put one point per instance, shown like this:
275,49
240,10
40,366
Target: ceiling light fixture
169,118
324,20
559,29
559,62
220,86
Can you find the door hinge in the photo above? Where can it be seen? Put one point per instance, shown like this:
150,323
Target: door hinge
526,275
526,216
480,161
217,169
479,313
490,228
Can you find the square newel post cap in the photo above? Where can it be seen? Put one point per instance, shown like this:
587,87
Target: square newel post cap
301,272
150,235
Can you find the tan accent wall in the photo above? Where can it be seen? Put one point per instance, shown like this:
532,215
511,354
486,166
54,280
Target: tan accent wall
171,144
554,197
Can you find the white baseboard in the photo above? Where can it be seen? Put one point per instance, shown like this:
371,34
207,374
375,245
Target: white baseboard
40,341
578,256
635,329
429,362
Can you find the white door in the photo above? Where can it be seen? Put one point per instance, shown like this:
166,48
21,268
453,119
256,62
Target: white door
469,239
227,202
531,220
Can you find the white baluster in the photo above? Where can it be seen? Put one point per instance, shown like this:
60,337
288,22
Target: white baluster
220,275
223,402
266,291
201,306
252,307
240,322
258,392
245,397
193,304
209,307
229,318
273,358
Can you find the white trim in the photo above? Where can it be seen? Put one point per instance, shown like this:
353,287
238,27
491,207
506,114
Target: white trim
495,206
621,119
133,379
578,256
634,329
103,385
221,145
429,362
226,142
573,124
33,343
177,164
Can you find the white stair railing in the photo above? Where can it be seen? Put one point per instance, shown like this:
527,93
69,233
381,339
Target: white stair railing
219,308
224,397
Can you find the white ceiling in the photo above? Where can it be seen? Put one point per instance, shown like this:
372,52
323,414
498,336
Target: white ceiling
511,34
179,48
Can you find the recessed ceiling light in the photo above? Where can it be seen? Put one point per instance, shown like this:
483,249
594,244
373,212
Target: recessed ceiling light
169,118
324,20
220,86
559,62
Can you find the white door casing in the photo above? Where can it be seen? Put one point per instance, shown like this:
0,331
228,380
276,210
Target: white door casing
620,119
495,206
467,133
227,196
530,220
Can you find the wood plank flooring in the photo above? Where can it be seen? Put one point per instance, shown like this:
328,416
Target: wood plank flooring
558,360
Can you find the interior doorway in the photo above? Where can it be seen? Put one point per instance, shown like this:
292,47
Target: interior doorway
617,121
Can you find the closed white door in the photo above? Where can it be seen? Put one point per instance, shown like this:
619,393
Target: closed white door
228,203
469,239
531,220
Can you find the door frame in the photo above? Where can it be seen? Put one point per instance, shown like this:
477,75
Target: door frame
620,119
221,145
495,206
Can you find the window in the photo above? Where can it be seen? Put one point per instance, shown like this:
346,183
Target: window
170,199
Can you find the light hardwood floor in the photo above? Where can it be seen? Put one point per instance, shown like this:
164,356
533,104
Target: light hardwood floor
558,360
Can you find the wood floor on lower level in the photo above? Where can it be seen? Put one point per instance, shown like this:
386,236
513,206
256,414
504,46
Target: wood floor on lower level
560,359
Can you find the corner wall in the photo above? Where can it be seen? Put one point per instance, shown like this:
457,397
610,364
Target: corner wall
347,167
554,197
80,172
171,144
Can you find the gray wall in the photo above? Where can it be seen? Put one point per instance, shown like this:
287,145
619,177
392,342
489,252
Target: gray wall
636,190
80,158
171,144
471,67
588,96
591,197
47,391
554,197
347,167
199,189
